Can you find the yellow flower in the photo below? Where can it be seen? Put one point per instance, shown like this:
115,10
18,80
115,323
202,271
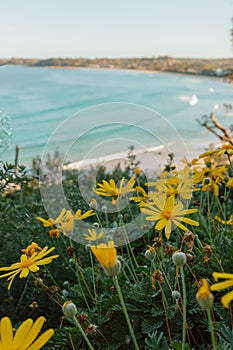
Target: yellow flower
65,221
141,199
204,296
137,171
105,254
211,178
28,264
176,183
225,222
55,232
32,248
225,149
204,290
25,336
53,222
168,213
227,298
80,216
93,236
111,190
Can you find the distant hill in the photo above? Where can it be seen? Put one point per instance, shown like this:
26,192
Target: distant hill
207,67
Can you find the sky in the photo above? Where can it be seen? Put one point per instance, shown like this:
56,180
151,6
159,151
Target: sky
119,28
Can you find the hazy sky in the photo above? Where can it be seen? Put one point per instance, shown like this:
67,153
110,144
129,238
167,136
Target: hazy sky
120,28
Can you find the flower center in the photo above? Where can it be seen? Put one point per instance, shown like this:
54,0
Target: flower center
167,214
26,263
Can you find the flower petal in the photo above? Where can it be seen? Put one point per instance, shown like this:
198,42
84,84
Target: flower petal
218,275
21,334
226,299
6,333
222,285
39,343
33,332
161,224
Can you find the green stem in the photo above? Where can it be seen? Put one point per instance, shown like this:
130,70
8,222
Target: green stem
136,347
83,333
184,307
229,158
22,294
211,329
93,276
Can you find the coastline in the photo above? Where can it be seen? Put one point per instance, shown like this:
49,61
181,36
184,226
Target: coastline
152,160
221,68
142,71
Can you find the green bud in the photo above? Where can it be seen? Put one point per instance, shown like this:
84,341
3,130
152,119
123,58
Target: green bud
114,269
150,253
175,294
179,259
206,303
69,309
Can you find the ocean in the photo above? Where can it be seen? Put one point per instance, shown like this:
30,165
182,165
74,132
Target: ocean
89,113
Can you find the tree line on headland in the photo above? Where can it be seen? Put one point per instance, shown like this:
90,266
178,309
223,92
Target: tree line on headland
195,66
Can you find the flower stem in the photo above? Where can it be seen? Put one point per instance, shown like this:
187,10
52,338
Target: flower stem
211,329
83,333
136,347
184,307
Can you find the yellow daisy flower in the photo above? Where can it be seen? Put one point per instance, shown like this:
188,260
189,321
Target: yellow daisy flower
168,213
28,264
25,336
225,149
227,298
80,216
109,189
53,222
31,249
105,254
93,236
65,221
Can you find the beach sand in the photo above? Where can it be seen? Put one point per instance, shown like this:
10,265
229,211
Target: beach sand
151,161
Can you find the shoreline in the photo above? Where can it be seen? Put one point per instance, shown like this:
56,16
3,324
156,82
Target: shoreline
135,70
152,160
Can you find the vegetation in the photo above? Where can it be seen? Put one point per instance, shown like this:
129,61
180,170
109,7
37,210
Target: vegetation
208,67
114,287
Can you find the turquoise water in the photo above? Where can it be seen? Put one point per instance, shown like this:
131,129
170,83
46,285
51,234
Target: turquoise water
38,100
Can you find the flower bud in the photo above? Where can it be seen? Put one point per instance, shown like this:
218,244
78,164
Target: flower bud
104,209
65,292
204,297
175,294
96,225
93,204
150,253
179,259
114,269
66,284
69,309
88,247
